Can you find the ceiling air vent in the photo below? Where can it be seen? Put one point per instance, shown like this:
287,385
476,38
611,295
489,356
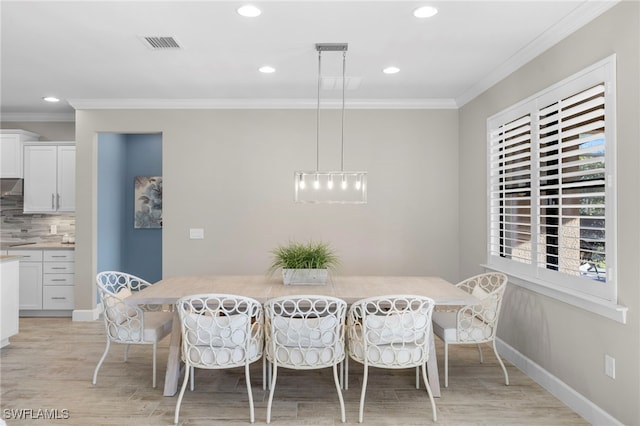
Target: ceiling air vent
161,43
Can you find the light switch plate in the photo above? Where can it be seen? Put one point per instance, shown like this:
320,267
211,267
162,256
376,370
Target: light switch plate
610,366
196,233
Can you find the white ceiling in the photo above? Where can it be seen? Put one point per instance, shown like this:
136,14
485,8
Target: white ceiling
90,54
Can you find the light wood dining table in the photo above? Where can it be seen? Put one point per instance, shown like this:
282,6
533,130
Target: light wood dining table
262,288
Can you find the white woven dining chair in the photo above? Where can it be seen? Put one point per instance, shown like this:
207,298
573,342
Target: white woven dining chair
304,333
220,331
129,324
473,324
390,332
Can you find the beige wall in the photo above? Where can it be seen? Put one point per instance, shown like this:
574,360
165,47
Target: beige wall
568,342
230,172
48,130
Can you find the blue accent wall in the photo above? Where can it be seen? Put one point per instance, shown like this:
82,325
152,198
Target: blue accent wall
121,247
143,248
111,184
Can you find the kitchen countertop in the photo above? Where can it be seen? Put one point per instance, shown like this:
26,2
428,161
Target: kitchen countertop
8,258
37,246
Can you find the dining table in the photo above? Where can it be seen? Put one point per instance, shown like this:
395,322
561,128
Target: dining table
264,287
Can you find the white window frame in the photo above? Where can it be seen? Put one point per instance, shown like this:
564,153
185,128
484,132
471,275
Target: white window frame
595,296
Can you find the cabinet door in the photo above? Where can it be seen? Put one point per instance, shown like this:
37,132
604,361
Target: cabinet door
66,201
9,300
57,279
57,297
40,178
30,285
10,156
27,255
58,268
58,255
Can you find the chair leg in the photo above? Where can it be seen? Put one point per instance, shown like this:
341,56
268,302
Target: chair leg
126,353
187,369
433,402
264,372
335,378
417,377
346,372
104,355
249,392
273,388
446,364
155,349
193,380
480,352
504,369
365,377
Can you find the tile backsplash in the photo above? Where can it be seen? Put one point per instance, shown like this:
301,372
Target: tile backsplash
17,226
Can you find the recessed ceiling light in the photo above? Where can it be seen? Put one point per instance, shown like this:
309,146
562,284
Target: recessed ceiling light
425,12
266,69
249,11
51,99
391,70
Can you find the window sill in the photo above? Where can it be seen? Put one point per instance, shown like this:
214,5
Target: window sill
600,307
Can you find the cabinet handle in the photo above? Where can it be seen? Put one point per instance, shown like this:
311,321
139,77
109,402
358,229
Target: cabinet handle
58,298
58,201
59,280
52,202
61,255
62,267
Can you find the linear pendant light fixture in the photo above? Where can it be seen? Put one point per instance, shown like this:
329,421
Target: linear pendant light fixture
333,187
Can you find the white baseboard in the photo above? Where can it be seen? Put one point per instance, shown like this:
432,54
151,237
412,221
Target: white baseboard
87,314
574,400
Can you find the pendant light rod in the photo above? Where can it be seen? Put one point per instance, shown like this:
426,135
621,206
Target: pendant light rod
318,110
344,66
330,47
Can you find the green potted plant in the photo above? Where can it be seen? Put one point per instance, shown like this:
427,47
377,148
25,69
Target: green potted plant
304,263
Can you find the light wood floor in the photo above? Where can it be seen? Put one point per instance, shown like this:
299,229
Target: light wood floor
49,365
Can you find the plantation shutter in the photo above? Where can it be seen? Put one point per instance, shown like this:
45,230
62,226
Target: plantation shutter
572,183
510,190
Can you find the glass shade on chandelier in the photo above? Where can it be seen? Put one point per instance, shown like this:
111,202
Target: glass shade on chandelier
330,187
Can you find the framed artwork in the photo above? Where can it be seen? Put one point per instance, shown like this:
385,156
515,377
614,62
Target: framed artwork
148,202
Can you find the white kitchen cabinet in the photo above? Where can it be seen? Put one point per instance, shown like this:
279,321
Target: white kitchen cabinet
11,141
30,293
49,177
9,282
58,273
46,281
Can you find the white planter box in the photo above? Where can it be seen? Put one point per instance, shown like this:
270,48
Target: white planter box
305,276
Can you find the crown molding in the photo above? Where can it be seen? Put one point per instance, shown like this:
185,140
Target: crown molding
580,16
48,117
91,104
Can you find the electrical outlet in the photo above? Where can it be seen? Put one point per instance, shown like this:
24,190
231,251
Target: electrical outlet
53,229
610,366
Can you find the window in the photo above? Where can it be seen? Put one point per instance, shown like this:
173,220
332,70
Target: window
551,185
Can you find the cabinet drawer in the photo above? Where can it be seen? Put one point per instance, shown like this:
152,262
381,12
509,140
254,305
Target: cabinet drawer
27,255
58,267
58,279
59,256
57,297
